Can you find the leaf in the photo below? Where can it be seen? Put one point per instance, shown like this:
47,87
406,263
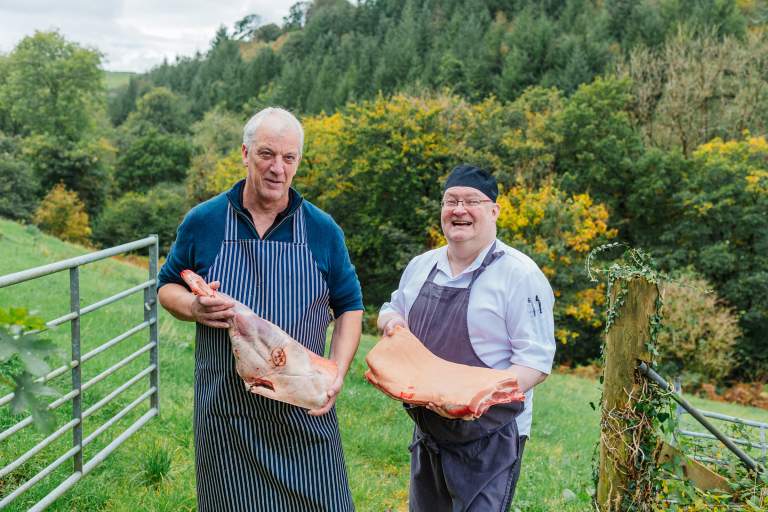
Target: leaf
25,399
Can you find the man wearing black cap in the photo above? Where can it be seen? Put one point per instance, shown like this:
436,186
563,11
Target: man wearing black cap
478,302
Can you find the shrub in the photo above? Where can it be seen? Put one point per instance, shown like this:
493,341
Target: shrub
699,333
557,231
62,214
135,216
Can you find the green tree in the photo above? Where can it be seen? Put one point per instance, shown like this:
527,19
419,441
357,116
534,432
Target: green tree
135,215
51,86
82,166
150,158
723,233
18,183
598,144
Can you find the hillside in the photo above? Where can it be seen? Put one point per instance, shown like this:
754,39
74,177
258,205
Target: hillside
375,431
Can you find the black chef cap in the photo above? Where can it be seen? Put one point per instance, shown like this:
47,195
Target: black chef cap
466,175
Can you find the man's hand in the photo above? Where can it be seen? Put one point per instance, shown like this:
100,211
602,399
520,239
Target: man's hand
213,311
388,321
333,393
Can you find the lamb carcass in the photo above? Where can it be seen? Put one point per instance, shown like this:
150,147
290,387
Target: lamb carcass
269,361
403,368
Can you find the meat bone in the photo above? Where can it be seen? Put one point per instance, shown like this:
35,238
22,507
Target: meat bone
268,360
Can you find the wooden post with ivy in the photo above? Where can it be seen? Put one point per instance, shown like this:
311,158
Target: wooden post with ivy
634,302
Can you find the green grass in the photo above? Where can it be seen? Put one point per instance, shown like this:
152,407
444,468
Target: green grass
154,469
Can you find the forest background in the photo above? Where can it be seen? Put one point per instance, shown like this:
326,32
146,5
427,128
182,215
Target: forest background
639,122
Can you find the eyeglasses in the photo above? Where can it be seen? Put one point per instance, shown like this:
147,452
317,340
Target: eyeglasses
468,203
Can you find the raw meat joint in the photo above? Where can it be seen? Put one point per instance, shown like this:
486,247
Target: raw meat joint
270,362
403,368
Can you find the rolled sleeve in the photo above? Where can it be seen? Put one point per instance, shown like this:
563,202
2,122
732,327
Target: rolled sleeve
179,257
530,323
343,284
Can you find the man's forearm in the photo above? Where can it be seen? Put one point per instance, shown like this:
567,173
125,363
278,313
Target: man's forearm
527,377
346,338
386,317
177,300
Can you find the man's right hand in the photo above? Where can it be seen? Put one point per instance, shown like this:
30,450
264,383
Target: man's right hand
213,311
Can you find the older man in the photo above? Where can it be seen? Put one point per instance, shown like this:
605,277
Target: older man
264,245
482,303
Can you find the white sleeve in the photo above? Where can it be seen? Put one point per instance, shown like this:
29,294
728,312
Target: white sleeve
530,323
397,303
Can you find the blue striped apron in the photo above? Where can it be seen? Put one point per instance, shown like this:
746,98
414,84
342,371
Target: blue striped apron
253,453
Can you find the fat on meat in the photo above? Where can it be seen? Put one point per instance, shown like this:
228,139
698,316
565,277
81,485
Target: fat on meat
404,369
268,360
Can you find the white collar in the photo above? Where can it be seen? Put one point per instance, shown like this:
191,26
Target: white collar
445,267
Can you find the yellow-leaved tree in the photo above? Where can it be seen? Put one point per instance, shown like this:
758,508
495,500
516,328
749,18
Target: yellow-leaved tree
63,215
558,230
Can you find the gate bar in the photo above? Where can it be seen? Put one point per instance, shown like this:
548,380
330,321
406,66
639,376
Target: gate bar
658,379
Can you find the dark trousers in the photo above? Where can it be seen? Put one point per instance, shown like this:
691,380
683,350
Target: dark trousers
442,487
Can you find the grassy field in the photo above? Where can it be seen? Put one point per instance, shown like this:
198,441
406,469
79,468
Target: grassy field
154,470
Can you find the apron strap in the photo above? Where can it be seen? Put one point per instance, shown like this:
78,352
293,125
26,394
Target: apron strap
299,227
230,226
489,258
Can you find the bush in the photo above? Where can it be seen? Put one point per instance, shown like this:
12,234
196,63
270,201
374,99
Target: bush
699,333
62,214
135,216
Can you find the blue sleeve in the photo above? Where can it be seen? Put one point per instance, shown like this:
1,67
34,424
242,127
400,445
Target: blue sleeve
180,256
344,287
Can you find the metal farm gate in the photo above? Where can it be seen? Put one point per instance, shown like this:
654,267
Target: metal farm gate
81,467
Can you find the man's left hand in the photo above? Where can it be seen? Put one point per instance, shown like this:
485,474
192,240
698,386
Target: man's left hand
333,393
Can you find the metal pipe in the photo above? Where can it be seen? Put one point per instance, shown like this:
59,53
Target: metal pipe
42,474
77,380
104,401
52,268
36,449
114,341
64,486
117,417
703,435
658,379
150,299
112,369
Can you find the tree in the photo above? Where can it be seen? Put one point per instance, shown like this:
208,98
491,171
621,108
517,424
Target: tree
136,215
51,86
558,230
160,109
18,184
246,27
62,214
82,166
723,233
150,158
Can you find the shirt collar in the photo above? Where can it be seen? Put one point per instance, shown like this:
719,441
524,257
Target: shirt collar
445,267
235,195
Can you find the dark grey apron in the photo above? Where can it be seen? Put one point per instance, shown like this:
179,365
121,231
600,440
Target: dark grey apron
459,465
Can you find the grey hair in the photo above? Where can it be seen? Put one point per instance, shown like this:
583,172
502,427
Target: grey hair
285,118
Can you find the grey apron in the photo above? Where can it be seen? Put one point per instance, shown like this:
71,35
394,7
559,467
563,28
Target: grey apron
253,453
459,465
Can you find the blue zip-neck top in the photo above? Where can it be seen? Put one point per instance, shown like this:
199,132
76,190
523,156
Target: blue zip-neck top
201,234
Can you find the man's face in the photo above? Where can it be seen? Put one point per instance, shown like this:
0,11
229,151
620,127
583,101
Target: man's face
272,160
467,221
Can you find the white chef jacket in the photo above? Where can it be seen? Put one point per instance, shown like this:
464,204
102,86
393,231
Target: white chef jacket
510,319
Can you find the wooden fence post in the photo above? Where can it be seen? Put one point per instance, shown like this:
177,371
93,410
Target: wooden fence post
633,303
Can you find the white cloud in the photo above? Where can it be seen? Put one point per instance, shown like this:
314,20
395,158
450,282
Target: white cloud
133,35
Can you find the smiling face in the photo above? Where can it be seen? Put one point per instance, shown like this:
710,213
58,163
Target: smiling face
465,224
272,160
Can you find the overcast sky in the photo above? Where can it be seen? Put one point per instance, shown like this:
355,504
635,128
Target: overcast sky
133,35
